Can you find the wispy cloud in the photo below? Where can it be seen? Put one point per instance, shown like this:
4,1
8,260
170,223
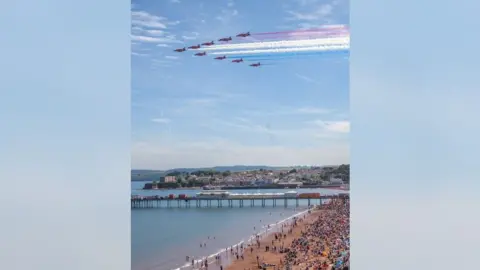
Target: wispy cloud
306,2
144,19
313,110
339,126
163,45
161,120
149,28
175,1
227,14
290,111
321,12
191,36
171,57
247,125
140,54
313,130
227,152
306,78
167,39
311,13
333,126
154,32
202,101
173,23
159,63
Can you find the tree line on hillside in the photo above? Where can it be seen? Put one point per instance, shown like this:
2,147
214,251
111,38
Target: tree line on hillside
200,173
342,172
177,184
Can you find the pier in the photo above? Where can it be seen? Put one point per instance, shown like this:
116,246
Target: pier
160,202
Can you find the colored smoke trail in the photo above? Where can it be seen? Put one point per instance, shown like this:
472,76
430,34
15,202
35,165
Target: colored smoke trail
324,28
283,58
302,35
294,54
281,44
284,50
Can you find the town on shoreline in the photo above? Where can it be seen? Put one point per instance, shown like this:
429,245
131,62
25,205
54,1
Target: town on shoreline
300,177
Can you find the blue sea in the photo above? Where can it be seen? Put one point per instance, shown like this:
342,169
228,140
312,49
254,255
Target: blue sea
163,237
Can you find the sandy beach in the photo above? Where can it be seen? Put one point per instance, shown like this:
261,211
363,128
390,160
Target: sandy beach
272,257
319,240
316,239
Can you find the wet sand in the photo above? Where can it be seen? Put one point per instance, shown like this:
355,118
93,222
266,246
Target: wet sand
271,257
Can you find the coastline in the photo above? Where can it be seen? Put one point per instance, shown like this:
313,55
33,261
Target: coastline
269,257
335,187
319,240
225,258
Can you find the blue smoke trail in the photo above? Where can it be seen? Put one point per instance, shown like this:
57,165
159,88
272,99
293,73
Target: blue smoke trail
293,54
292,57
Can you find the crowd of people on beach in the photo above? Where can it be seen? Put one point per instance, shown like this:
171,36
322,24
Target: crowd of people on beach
321,244
325,243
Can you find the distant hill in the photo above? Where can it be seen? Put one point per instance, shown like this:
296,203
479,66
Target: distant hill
146,175
151,175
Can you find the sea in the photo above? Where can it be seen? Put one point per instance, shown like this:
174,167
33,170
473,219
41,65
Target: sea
163,237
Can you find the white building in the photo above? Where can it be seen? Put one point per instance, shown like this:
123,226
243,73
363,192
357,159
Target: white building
170,179
334,180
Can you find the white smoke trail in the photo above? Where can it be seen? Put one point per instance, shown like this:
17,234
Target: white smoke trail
281,44
337,47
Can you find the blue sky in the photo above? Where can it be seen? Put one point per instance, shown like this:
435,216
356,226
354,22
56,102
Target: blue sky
194,112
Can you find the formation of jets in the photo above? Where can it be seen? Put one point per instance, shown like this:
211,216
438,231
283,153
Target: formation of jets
225,39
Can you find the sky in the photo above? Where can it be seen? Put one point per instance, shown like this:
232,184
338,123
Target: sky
64,112
195,112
